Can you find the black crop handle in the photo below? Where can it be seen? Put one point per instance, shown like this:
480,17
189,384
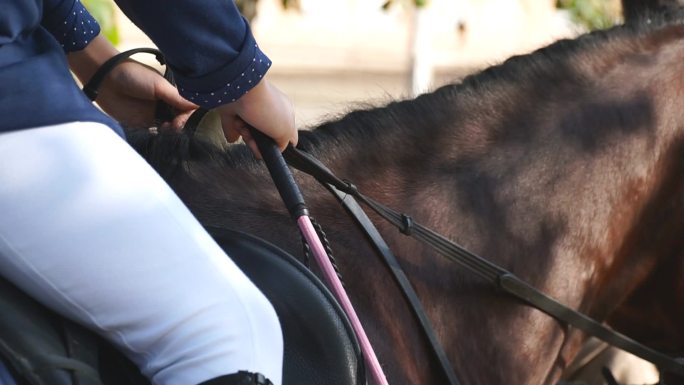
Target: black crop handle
281,174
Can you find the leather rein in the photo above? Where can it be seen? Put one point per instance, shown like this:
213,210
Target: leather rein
346,193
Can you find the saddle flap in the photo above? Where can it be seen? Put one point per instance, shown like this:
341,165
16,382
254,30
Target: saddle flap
320,345
40,347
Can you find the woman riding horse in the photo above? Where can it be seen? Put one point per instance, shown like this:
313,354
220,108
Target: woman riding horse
83,214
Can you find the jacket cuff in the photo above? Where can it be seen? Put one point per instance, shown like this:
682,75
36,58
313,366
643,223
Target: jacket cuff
229,83
71,24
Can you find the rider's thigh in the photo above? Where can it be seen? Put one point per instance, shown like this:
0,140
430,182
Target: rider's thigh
89,229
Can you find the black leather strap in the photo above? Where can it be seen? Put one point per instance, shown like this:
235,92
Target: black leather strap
194,120
91,88
163,112
356,211
498,276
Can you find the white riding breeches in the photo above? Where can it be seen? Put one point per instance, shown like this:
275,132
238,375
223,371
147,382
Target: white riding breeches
88,228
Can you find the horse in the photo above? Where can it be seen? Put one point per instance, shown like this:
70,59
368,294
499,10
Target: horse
564,166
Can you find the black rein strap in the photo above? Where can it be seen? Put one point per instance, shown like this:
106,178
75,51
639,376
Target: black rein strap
490,272
91,88
356,211
163,111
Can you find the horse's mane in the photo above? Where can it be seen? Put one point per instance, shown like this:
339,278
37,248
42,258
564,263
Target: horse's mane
170,152
529,77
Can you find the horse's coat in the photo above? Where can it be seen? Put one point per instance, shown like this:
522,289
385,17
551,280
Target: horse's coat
565,166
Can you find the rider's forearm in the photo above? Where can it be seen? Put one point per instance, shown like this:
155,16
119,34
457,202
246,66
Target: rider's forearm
207,43
85,62
70,24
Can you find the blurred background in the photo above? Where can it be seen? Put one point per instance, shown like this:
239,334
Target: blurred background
331,56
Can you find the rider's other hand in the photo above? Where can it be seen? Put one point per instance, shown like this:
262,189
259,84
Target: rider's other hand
130,93
266,109
131,90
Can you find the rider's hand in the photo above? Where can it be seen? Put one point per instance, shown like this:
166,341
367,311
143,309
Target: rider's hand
131,90
265,108
130,93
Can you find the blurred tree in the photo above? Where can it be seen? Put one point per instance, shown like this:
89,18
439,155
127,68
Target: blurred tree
421,66
417,3
632,10
248,8
593,14
104,12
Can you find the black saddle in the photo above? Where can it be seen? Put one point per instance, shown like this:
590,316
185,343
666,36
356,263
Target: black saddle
42,348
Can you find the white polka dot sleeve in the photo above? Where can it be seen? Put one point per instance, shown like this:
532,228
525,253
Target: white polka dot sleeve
71,24
233,89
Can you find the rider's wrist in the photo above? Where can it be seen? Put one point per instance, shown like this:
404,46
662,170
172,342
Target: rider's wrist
86,62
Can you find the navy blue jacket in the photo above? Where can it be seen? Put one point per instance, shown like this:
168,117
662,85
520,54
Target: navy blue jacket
208,46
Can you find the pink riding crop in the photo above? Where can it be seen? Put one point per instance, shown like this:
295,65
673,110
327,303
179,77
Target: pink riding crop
294,201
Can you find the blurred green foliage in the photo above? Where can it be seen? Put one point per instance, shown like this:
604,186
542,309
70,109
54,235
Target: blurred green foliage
593,14
290,4
104,12
248,8
417,3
